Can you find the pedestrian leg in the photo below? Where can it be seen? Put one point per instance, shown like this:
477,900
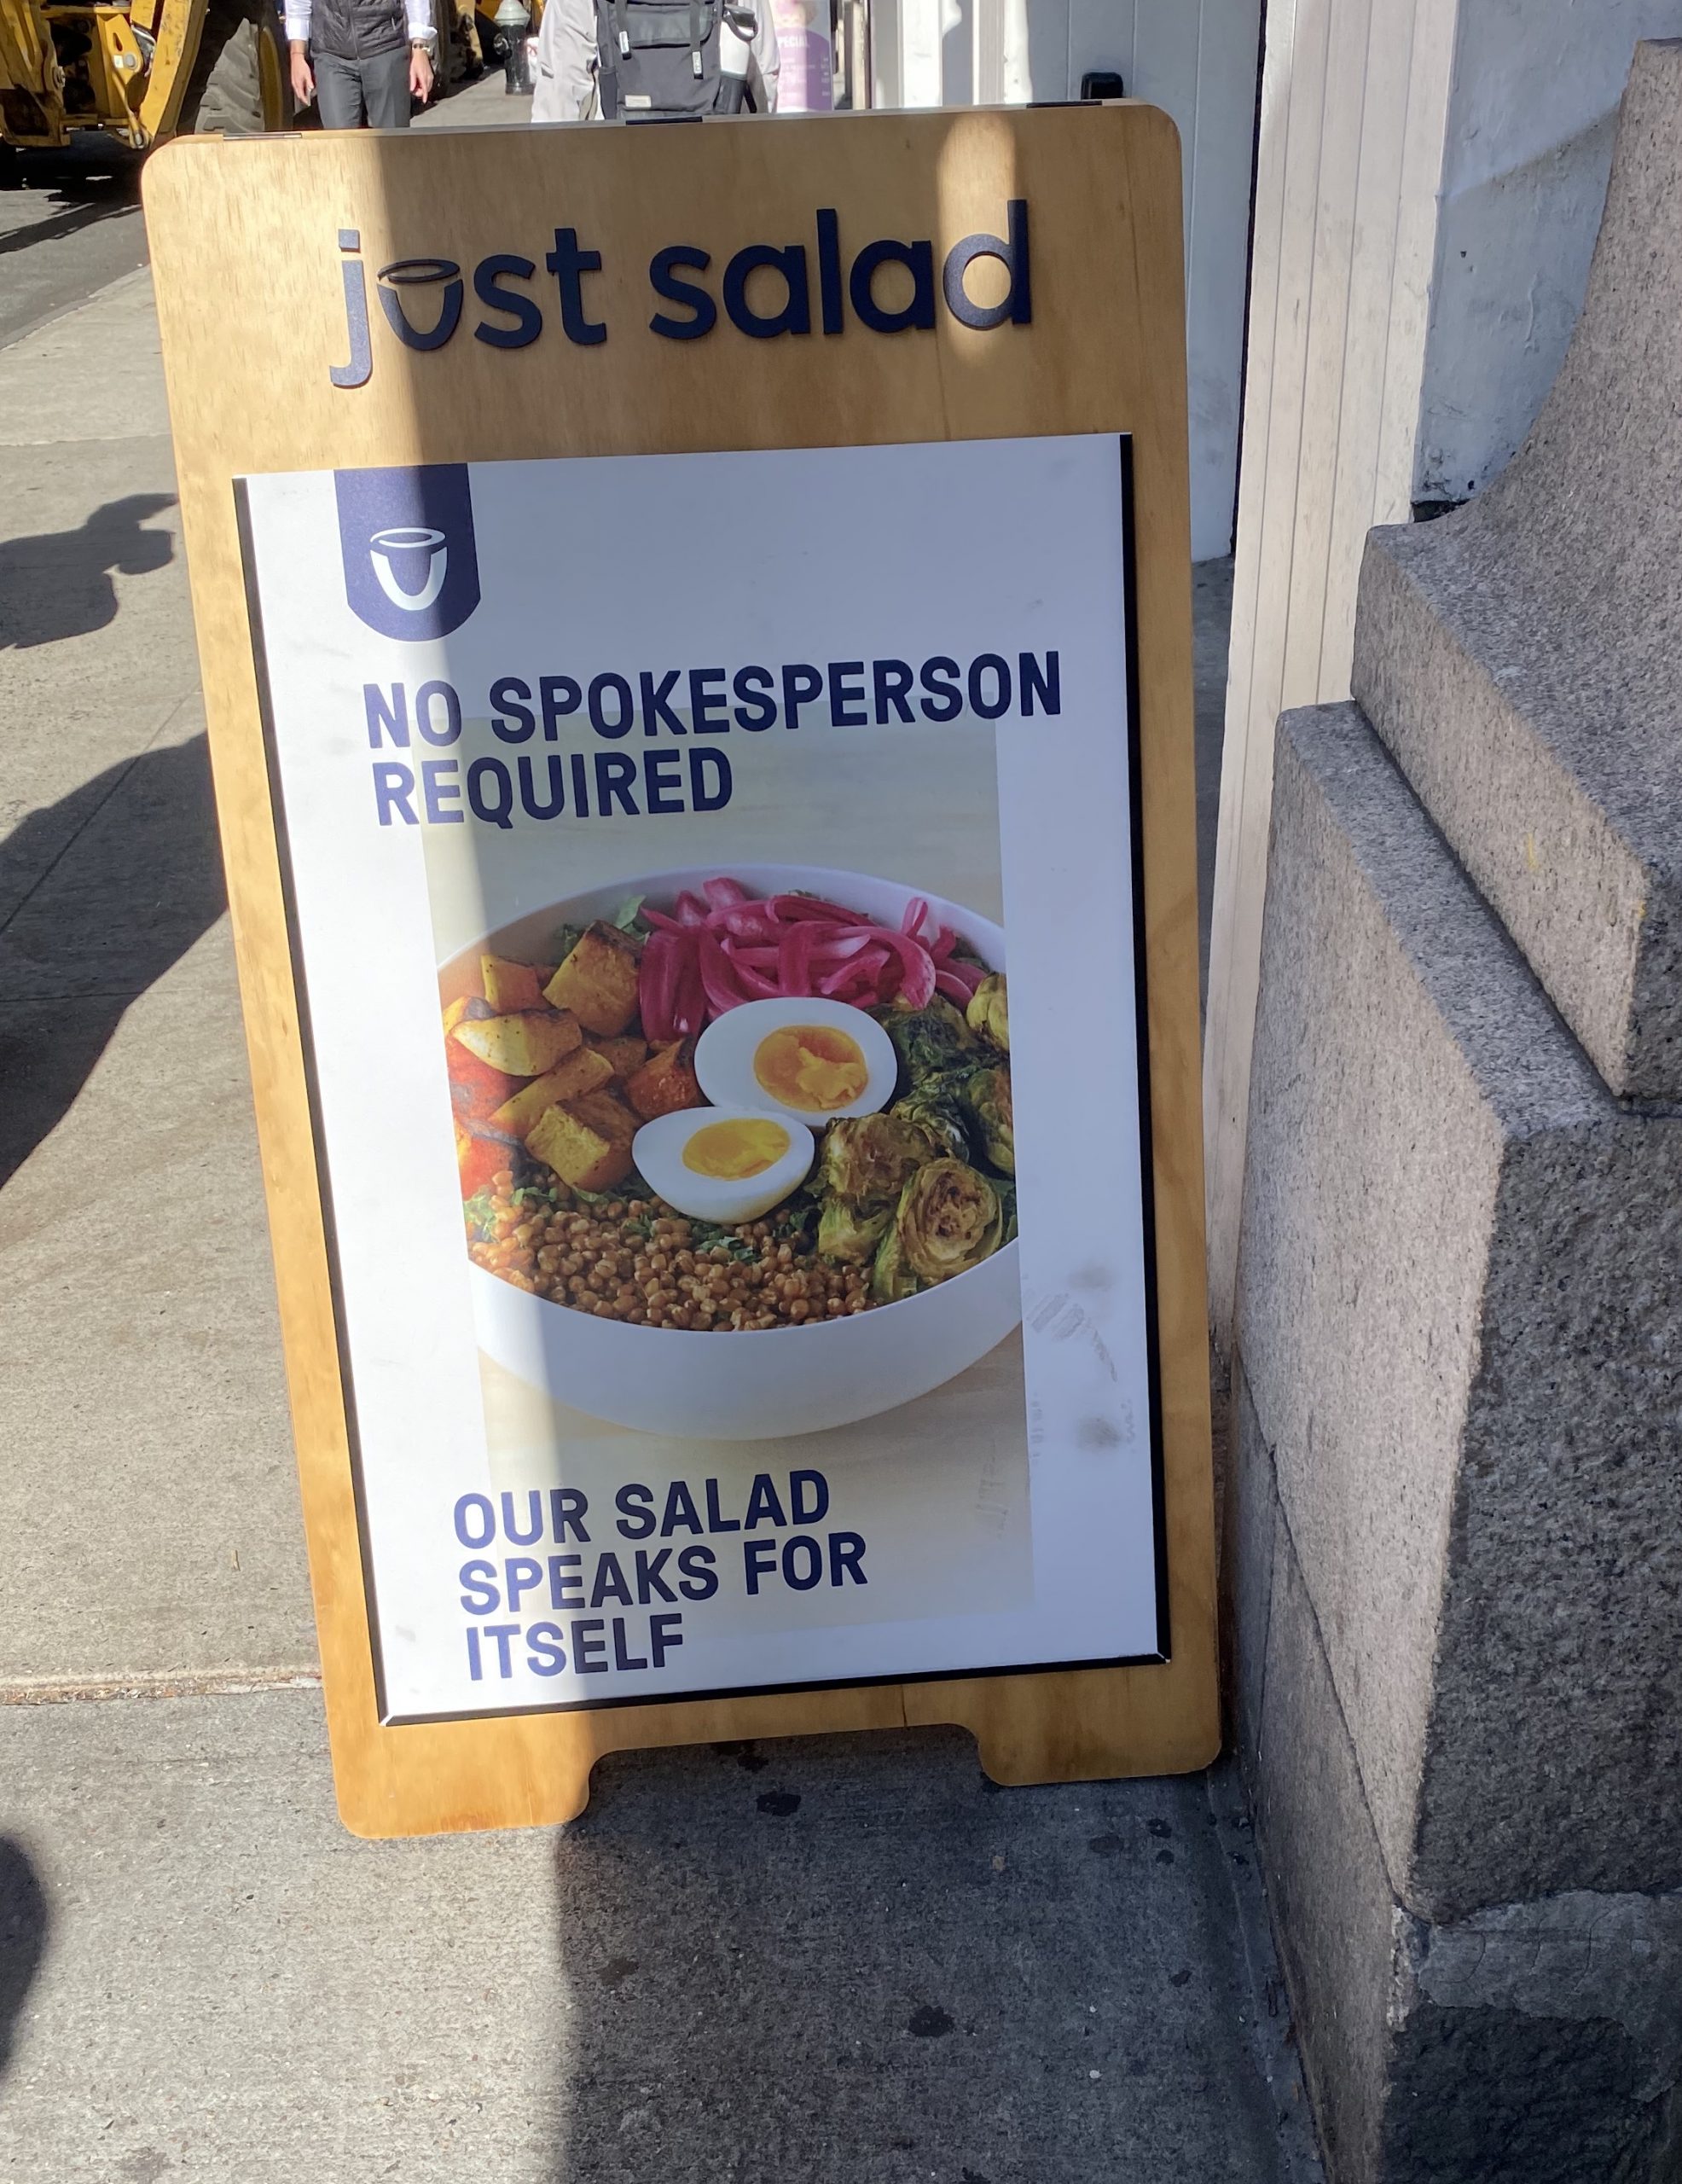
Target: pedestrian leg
339,92
385,89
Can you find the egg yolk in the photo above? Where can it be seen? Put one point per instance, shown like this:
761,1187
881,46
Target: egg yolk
811,1067
734,1150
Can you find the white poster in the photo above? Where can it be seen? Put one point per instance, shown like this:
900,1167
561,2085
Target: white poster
712,891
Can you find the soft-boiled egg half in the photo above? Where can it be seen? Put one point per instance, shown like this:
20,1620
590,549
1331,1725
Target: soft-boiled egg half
718,1164
809,1061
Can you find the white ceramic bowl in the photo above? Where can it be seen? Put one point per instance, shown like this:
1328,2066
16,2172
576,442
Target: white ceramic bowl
771,1381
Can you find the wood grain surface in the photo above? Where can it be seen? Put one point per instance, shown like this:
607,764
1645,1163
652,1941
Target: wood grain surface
244,237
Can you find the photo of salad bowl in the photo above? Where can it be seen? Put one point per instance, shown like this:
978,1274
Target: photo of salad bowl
771,1104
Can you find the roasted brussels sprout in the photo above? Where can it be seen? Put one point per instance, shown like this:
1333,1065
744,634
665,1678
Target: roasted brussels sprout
929,1039
934,1106
949,1220
866,1158
890,1277
987,1102
989,1012
849,1234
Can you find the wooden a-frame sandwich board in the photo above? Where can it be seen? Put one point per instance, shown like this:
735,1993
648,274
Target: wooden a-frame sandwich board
304,284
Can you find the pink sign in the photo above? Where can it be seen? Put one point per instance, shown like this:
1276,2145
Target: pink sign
805,81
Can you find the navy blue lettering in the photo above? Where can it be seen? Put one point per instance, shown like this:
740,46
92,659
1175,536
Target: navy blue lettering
536,807
701,798
894,680
534,1517
801,684
700,1581
802,1563
796,315
589,1654
919,260
609,1581
763,1506
440,788
569,264
566,1582
945,700
508,696
846,690
984,708
527,319
662,789
560,696
546,1653
474,1510
755,708
394,792
620,725
846,1558
1044,683
490,793
635,1506
568,1507
656,709
390,714
614,776
521,1574
662,279
479,1596
708,710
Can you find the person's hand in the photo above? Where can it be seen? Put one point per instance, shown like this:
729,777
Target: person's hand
419,74
303,76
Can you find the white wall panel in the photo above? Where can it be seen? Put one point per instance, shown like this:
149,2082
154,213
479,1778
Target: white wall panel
1196,59
1354,108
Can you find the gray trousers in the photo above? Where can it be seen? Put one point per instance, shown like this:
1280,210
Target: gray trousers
346,90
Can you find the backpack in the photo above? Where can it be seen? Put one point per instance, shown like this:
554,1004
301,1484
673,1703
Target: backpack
658,58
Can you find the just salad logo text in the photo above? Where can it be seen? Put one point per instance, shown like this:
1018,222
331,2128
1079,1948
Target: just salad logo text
423,300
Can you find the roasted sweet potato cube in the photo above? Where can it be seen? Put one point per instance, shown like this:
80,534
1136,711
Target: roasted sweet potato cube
479,1159
523,1045
475,1088
597,981
583,1070
587,1142
510,986
626,1055
666,1081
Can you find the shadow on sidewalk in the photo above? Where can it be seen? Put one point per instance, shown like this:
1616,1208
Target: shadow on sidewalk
829,1959
58,584
112,885
23,1937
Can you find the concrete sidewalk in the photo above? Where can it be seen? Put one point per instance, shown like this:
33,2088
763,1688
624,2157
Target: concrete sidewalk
843,1960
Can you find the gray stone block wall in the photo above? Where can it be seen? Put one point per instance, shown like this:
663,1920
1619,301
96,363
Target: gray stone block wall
1520,658
1460,1309
1452,1542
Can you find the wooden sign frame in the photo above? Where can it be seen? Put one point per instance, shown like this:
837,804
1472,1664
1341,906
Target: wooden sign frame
253,312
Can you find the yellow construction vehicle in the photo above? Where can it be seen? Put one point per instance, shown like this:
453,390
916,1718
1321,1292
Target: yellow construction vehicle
139,70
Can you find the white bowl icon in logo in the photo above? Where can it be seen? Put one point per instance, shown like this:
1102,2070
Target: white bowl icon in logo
410,564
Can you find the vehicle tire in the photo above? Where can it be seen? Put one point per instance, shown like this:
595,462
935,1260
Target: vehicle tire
225,94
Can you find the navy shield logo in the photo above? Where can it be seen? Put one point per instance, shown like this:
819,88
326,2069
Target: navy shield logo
411,566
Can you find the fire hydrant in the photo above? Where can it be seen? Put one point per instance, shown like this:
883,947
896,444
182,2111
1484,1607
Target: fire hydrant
511,19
